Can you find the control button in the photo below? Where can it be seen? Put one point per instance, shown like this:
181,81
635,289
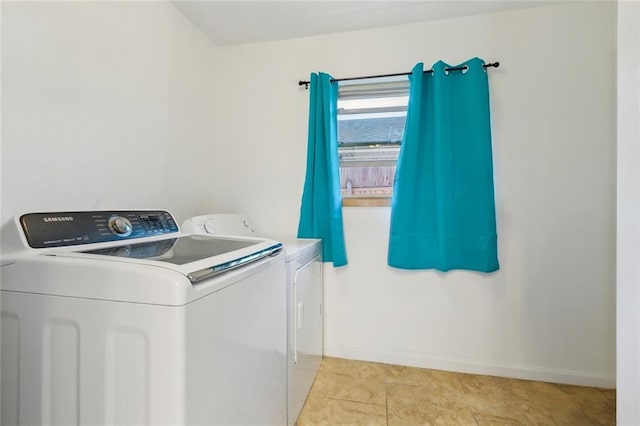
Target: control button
210,227
121,226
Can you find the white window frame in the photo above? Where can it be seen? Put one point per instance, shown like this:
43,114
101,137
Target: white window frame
366,99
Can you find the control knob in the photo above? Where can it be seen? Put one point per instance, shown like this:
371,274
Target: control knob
121,226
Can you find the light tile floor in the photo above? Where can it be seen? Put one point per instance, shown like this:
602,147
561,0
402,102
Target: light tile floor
368,393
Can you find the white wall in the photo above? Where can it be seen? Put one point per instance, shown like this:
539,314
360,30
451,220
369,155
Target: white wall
105,105
628,243
549,313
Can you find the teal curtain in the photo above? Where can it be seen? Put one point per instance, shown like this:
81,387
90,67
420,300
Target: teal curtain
321,210
443,209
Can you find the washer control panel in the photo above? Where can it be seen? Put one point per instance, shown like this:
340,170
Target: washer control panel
43,230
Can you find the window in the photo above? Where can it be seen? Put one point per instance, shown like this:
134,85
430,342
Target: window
371,119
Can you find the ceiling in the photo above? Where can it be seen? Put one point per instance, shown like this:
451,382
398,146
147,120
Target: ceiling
238,22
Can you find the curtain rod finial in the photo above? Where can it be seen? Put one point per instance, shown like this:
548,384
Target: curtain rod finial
304,83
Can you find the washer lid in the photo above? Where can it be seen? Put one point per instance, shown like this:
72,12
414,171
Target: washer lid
198,257
179,250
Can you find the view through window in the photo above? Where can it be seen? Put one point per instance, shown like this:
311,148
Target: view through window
371,120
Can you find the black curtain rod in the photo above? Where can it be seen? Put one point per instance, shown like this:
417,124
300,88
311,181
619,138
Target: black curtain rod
306,83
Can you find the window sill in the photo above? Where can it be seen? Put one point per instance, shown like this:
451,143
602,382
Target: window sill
366,202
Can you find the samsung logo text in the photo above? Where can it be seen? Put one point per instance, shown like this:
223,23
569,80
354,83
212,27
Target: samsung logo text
58,219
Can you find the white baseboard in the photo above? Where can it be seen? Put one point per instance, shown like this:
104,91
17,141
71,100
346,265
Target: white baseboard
551,375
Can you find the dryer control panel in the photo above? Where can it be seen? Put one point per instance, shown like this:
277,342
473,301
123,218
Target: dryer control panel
44,230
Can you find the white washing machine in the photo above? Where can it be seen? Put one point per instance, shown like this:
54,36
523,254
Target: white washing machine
117,317
305,300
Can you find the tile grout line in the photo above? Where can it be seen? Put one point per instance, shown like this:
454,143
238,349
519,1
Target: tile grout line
386,395
346,400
